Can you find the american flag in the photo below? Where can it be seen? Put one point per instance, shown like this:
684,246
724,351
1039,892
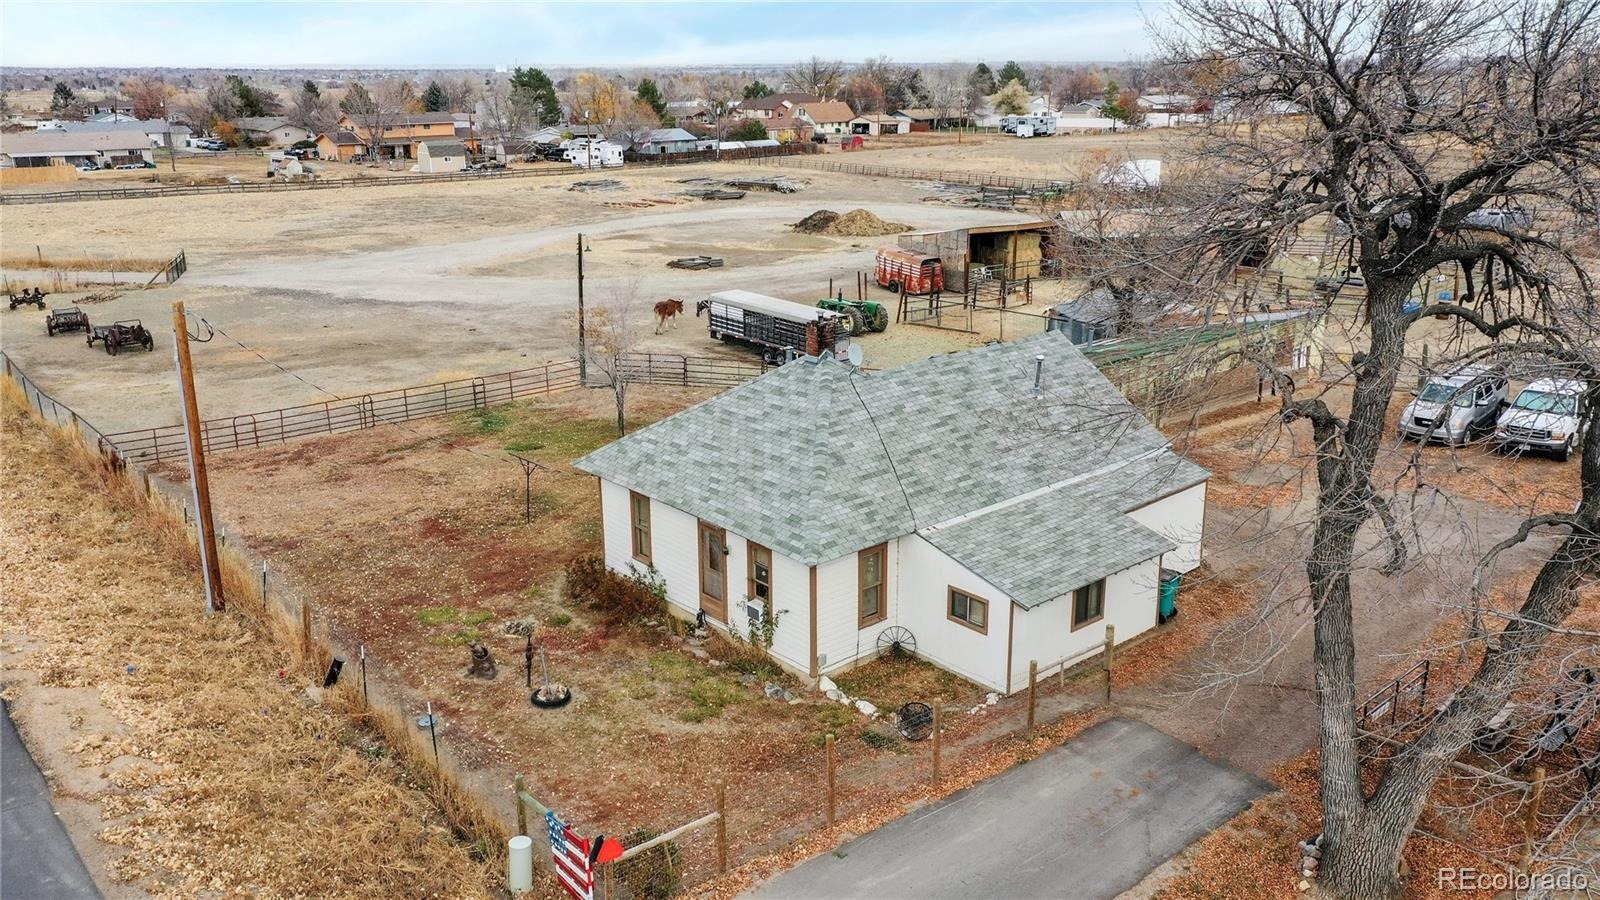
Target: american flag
571,856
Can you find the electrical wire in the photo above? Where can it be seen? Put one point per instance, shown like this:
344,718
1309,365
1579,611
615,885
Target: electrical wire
885,445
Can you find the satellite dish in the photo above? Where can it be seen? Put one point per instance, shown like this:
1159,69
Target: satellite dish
856,355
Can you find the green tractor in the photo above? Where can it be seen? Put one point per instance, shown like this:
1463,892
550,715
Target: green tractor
865,315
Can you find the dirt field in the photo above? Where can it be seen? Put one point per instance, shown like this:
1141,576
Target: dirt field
187,754
1065,156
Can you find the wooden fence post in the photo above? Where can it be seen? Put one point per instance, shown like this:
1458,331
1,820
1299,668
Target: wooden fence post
1530,820
722,828
517,786
827,743
1033,691
936,739
1111,650
609,881
305,627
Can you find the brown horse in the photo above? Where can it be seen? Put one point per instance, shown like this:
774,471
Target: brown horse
667,313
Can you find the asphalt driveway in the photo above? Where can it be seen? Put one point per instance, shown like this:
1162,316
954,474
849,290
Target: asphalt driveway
1087,819
37,858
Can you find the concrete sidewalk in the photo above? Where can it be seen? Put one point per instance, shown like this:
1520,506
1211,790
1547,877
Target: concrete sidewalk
1085,820
37,858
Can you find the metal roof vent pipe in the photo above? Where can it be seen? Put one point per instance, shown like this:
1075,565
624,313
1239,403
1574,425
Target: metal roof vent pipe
1038,377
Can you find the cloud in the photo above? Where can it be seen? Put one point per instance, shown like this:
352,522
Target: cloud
251,34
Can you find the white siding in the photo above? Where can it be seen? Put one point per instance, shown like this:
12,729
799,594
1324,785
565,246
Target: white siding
1045,633
791,600
1180,517
922,605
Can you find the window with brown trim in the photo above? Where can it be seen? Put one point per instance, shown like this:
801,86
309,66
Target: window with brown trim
1088,604
872,584
760,572
639,525
969,610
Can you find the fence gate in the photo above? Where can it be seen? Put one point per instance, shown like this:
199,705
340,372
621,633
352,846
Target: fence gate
1385,704
480,394
936,311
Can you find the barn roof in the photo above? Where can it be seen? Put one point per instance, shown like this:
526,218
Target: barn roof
817,462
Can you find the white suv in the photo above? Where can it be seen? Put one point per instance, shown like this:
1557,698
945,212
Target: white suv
1453,406
1545,416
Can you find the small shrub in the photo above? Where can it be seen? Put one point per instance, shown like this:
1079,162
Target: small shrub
881,740
559,620
476,617
489,421
433,616
617,598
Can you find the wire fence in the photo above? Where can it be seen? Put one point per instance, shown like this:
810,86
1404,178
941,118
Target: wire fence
281,187
374,408
947,176
48,407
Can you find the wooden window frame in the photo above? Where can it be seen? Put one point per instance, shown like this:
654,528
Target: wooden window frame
750,572
949,609
642,554
862,619
1074,614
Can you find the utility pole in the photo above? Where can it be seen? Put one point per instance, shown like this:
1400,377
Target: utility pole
197,461
583,337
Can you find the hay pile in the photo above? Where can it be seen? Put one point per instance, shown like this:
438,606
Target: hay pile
855,223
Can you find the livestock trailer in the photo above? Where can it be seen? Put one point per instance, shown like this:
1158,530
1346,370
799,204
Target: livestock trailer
909,271
777,327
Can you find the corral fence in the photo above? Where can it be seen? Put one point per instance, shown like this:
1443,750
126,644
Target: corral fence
1410,690
369,410
979,179
48,407
710,156
173,270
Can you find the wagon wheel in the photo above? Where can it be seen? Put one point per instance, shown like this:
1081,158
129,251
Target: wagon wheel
896,642
50,328
915,721
148,342
111,347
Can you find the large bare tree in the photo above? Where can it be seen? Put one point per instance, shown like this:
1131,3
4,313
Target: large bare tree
816,76
1433,135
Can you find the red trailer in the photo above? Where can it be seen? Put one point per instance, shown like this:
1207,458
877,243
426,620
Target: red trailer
909,271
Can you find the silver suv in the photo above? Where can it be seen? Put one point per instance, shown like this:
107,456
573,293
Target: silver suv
1545,416
1456,405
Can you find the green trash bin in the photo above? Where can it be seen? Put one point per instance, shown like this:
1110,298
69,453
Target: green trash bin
1168,605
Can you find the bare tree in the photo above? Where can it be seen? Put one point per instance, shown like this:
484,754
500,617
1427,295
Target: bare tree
390,104
313,111
508,113
816,76
1433,131
722,91
633,124
611,327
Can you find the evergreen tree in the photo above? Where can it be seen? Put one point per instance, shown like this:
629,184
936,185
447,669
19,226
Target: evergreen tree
433,99
534,87
1012,72
748,130
755,90
310,87
650,95
357,101
63,98
983,80
250,101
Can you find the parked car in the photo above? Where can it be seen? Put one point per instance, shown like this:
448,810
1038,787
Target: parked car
556,154
1456,405
126,166
85,167
1545,416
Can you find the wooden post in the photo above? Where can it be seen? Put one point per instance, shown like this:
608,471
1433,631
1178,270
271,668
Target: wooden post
305,627
1033,691
936,740
827,744
212,572
610,881
1530,820
722,827
517,786
1111,649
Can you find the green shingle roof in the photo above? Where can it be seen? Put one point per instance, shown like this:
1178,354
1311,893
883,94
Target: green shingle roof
817,462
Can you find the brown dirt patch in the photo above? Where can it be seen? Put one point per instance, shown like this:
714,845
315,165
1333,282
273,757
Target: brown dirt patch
855,223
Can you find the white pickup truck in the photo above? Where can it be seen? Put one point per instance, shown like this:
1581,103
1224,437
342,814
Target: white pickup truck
1546,415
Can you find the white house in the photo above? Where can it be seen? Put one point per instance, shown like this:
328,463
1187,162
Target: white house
272,130
440,156
100,149
1002,505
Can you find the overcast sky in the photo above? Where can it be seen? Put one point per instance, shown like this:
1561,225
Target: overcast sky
288,33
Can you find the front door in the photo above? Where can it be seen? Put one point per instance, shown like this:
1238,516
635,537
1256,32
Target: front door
714,572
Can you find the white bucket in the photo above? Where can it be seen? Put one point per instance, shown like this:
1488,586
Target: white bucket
519,876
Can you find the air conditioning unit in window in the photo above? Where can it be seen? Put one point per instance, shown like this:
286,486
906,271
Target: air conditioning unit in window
755,609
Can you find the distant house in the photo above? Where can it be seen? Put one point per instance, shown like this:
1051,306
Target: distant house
875,124
101,149
111,117
787,129
271,131
826,116
1071,513
686,111
665,140
400,133
775,105
924,119
1086,109
555,134
340,144
434,157
160,132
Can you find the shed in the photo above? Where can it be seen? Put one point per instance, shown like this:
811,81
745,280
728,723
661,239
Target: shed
434,157
877,124
665,140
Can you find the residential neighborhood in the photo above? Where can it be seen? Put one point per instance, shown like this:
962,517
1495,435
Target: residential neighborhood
619,451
